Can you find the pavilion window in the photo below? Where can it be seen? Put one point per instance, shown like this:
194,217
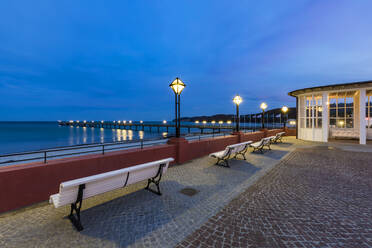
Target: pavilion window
369,109
313,112
341,109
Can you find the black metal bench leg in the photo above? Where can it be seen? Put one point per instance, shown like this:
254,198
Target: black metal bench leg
76,207
155,180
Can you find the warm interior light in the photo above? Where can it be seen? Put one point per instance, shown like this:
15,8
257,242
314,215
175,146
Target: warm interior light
320,109
292,122
263,106
237,100
177,86
341,123
284,109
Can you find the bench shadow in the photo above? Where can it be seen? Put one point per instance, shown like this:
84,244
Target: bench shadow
274,154
284,144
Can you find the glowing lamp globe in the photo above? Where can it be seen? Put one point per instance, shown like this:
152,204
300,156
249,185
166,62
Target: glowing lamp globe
284,109
177,86
263,106
237,100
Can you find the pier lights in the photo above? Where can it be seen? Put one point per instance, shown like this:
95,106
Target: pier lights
196,122
284,111
124,122
213,122
177,86
220,122
102,122
237,100
85,121
164,122
71,121
263,106
119,122
77,121
130,122
204,122
228,122
141,122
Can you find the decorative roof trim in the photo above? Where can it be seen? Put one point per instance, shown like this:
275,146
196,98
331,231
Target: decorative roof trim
344,86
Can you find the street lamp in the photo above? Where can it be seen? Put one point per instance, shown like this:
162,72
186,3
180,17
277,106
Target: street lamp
177,86
263,106
237,100
284,110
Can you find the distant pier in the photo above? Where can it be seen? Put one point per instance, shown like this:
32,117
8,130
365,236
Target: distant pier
147,127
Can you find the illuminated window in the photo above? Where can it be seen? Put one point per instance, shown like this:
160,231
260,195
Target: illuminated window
341,109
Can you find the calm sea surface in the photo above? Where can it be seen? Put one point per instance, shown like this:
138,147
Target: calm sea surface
30,136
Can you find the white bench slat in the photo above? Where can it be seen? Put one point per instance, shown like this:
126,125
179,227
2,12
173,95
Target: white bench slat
105,182
101,176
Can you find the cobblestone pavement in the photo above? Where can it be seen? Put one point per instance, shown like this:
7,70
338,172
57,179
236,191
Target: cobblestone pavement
315,197
133,217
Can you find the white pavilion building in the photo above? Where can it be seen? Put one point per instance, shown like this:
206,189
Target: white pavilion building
335,111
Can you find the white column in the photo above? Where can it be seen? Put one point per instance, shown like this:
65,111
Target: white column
362,117
325,117
312,106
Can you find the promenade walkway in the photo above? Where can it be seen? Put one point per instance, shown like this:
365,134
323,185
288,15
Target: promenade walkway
312,192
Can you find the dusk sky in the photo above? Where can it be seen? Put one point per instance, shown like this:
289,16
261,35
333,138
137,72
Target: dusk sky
114,60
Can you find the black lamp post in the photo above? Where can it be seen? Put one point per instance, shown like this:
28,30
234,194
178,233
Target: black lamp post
284,111
263,106
237,100
177,86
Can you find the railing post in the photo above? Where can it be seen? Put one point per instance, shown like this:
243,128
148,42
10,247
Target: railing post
45,157
141,144
103,149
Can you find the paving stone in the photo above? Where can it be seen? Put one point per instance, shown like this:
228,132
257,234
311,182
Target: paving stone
315,197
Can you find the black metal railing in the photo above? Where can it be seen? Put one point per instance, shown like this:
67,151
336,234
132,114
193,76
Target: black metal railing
70,151
46,155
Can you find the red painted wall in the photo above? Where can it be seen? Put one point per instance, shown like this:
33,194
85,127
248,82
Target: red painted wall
22,185
27,184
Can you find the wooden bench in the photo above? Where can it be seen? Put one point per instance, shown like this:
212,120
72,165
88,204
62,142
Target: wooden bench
259,146
73,192
278,137
231,151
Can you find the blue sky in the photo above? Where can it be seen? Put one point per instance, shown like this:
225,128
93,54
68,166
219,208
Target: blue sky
112,60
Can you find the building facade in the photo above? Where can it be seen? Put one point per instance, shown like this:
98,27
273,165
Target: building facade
335,111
